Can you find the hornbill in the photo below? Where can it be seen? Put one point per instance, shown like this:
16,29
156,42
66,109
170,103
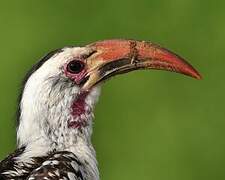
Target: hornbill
57,101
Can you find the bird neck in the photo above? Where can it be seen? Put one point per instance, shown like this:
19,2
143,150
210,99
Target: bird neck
55,117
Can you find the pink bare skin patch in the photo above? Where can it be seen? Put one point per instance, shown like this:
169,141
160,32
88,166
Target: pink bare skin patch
79,112
77,78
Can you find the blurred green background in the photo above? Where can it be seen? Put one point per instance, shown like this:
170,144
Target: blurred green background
149,125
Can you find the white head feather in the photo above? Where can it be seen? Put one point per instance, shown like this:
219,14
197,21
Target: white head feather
46,109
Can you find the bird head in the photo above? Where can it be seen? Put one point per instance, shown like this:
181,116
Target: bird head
61,90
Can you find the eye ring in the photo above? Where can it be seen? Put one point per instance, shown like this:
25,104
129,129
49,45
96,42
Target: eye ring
75,66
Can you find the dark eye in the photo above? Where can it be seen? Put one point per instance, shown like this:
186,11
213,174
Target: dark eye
75,66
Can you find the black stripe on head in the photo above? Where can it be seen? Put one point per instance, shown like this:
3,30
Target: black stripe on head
30,72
